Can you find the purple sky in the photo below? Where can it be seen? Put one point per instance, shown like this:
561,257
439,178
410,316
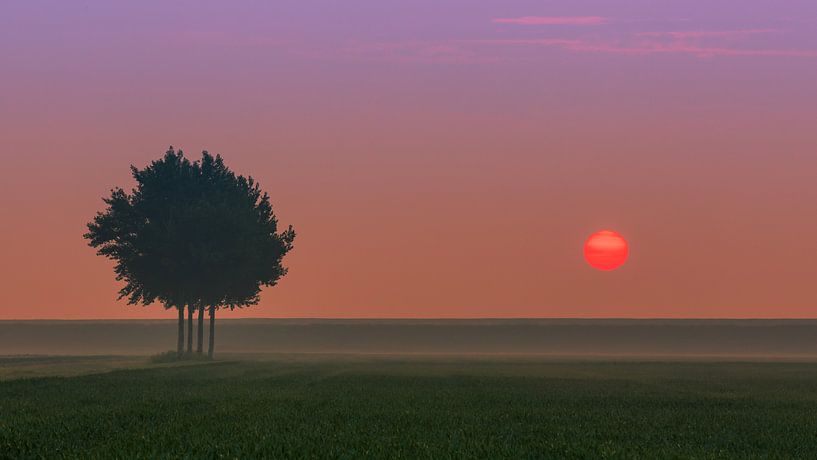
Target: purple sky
437,158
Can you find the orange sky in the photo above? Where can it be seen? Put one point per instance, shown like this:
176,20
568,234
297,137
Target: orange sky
436,159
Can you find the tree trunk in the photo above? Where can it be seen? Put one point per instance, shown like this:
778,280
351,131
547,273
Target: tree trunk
200,344
181,331
190,329
212,332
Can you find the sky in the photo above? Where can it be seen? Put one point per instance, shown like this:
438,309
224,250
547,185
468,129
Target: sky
442,159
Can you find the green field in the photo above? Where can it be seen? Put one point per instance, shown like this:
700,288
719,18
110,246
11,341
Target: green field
414,407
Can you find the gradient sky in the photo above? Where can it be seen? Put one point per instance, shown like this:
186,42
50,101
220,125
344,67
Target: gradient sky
437,158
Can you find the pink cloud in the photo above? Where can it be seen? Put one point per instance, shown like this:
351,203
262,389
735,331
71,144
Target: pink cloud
693,34
648,48
699,51
470,51
553,20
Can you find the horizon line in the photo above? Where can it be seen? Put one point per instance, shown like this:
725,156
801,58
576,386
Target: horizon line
428,318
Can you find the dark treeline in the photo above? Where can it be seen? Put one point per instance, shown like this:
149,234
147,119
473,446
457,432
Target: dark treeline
194,236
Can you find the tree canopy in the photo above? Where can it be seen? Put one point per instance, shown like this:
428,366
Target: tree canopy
191,233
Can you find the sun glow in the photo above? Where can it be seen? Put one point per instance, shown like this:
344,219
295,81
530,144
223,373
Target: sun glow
606,250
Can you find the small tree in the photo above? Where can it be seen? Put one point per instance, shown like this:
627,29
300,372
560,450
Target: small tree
144,232
240,248
191,234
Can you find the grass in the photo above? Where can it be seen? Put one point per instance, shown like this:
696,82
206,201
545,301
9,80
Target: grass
347,407
31,366
172,356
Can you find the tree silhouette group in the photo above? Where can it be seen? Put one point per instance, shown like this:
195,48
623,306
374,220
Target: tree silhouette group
191,235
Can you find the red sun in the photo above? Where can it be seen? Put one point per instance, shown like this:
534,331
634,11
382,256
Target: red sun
606,250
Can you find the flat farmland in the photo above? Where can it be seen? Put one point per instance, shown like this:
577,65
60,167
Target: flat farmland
393,406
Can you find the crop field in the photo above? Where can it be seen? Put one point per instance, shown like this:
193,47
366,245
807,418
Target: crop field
414,407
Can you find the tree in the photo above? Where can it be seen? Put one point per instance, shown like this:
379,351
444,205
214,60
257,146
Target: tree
144,232
191,235
200,335
240,247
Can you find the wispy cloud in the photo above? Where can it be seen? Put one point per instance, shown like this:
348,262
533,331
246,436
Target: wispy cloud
699,51
480,51
700,43
695,34
650,48
554,20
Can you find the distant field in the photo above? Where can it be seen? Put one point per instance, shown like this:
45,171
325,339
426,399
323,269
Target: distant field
415,407
753,339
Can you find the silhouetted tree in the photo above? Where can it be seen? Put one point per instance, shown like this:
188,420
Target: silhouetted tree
144,233
191,235
200,336
189,328
240,247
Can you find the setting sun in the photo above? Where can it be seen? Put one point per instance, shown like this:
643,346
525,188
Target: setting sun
606,250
